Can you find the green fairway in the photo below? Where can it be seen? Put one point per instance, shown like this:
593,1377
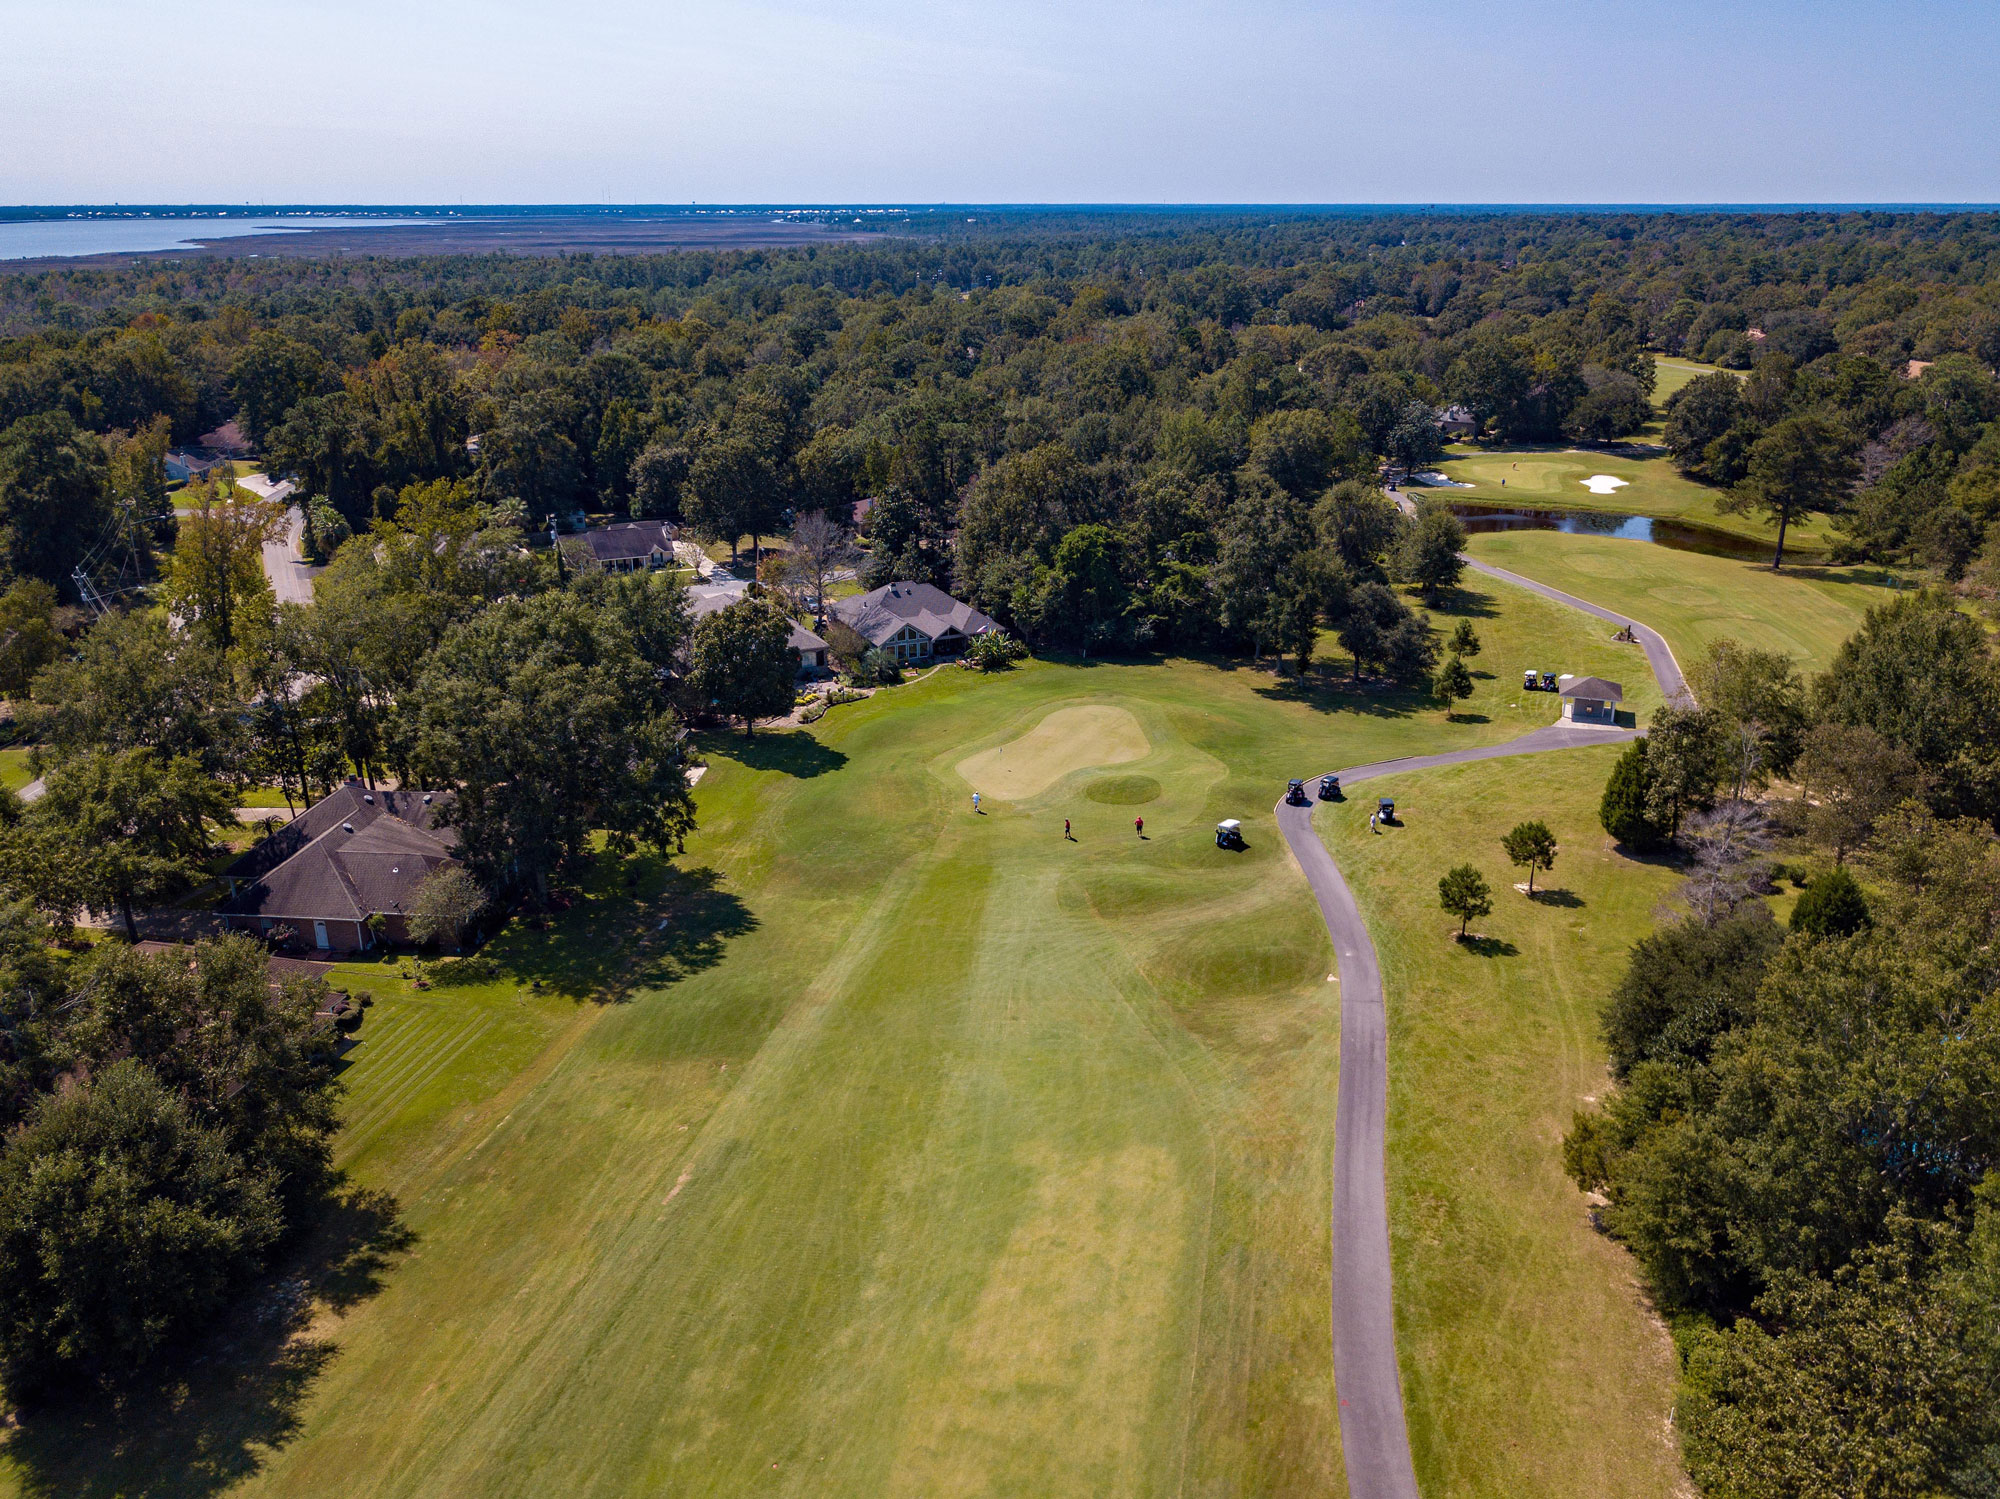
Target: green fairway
1669,375
1529,1363
1553,479
907,1150
14,771
1692,598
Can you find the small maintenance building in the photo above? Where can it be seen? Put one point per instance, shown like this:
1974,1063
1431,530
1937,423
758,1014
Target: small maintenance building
1591,700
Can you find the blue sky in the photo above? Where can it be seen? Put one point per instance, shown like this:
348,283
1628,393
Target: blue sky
1405,101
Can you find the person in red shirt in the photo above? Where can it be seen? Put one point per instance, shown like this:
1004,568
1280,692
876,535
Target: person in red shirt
1139,826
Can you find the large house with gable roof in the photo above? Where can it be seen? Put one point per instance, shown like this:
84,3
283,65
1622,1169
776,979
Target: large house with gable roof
912,621
344,873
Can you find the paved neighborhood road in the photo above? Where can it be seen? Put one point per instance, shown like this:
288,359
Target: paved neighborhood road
1374,1439
290,574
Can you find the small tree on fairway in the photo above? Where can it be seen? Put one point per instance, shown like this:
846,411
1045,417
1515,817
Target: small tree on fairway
1451,684
1623,809
1531,844
1464,893
448,901
1463,641
742,664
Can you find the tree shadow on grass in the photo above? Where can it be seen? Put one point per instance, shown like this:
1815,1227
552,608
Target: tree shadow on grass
204,1418
1568,900
1488,947
791,752
1461,602
1370,697
668,923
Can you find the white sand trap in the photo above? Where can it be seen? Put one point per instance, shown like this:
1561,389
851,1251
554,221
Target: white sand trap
1069,739
1604,484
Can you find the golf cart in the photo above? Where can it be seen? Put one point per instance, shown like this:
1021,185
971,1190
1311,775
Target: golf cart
1548,681
1229,833
1329,787
1295,794
1531,680
1385,809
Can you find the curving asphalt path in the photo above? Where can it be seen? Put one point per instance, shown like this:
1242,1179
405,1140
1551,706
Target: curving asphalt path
1375,1440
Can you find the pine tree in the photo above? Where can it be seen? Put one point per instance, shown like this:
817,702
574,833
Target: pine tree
1464,893
1623,810
1832,906
1451,683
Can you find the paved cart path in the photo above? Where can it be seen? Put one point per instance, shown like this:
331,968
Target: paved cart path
1375,1441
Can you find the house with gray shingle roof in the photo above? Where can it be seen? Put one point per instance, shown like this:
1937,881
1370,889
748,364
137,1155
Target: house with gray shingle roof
912,621
630,546
356,855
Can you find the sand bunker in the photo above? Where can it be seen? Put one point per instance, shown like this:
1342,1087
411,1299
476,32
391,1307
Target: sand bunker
1069,739
1604,484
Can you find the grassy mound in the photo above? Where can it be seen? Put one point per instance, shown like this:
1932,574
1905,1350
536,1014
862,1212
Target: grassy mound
1123,791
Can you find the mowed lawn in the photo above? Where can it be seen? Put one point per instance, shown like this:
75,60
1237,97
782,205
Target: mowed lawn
1670,375
1530,1364
918,1152
14,771
1553,479
1692,598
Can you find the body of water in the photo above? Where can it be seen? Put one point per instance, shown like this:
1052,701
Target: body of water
1667,533
31,239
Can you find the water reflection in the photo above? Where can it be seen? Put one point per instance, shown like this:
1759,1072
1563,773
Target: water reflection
1679,535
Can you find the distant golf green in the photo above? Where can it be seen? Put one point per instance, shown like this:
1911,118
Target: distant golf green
882,1147
1669,375
1692,598
1554,479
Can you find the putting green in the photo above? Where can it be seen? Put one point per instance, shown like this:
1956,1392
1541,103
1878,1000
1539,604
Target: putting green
1068,740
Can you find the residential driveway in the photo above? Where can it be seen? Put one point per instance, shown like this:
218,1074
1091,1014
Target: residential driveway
1375,1442
290,574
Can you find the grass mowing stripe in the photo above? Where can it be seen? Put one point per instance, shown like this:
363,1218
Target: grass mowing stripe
421,1045
395,1060
459,1041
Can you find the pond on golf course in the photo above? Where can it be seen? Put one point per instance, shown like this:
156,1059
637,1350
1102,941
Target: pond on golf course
1679,535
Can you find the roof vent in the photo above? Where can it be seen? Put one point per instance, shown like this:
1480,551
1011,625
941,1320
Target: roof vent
347,827
427,798
369,797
